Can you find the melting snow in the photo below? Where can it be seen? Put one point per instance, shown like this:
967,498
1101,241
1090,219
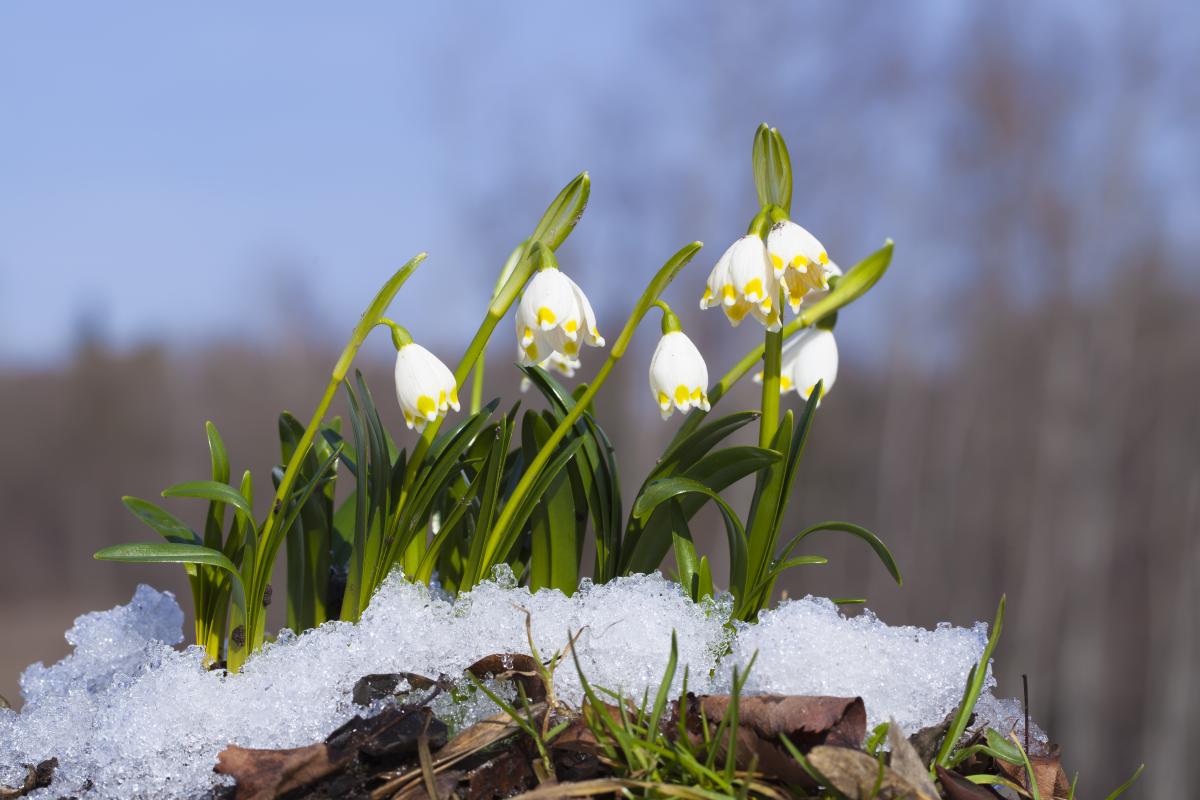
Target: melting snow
131,716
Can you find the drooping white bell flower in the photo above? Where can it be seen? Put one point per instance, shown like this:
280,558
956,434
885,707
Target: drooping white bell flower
809,357
554,316
678,375
798,261
425,386
556,362
743,282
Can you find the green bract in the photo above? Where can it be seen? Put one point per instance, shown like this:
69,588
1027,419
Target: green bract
501,486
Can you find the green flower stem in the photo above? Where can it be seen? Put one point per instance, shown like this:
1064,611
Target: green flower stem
670,322
517,271
773,355
644,304
505,273
772,346
272,535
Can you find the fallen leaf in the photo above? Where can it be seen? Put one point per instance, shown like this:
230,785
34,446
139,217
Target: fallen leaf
807,722
266,774
370,688
38,777
957,787
908,764
1047,771
858,776
516,667
927,740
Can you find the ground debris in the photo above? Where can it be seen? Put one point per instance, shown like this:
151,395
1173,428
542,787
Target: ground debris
36,777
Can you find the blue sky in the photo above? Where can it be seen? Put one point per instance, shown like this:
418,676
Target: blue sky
181,175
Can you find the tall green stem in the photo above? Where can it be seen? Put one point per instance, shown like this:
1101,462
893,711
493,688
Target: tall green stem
772,350
660,282
272,534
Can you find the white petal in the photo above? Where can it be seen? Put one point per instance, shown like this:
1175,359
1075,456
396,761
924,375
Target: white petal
809,357
749,269
548,302
587,316
718,279
793,247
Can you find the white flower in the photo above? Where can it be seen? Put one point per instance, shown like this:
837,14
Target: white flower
425,386
743,283
809,357
678,375
557,361
554,316
798,261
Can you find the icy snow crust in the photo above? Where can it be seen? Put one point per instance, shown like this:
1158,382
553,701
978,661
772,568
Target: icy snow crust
131,716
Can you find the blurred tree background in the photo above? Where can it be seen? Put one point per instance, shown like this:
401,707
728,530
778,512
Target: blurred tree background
1017,406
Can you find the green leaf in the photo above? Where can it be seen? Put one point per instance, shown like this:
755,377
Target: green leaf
647,541
874,541
554,551
167,553
688,447
975,679
851,286
563,212
166,524
211,490
214,523
1002,747
670,488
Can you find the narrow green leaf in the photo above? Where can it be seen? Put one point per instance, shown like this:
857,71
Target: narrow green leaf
851,286
166,553
211,490
881,550
166,524
975,680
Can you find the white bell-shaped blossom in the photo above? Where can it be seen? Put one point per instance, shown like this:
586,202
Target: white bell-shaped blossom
798,261
743,282
554,316
557,362
678,375
425,386
810,357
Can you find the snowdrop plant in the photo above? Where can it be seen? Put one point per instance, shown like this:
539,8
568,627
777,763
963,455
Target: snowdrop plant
517,495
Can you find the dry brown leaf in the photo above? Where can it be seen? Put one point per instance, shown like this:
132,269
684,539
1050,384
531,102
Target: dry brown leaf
858,776
1047,771
516,667
957,787
907,763
265,774
806,721
38,777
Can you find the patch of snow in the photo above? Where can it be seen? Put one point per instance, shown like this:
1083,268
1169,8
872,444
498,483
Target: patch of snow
137,717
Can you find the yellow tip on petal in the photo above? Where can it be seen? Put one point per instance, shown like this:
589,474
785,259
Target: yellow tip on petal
824,259
426,406
664,402
785,383
729,294
753,290
777,263
531,352
527,336
546,317
570,326
681,394
800,263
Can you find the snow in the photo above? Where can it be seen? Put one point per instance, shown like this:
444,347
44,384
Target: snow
129,715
